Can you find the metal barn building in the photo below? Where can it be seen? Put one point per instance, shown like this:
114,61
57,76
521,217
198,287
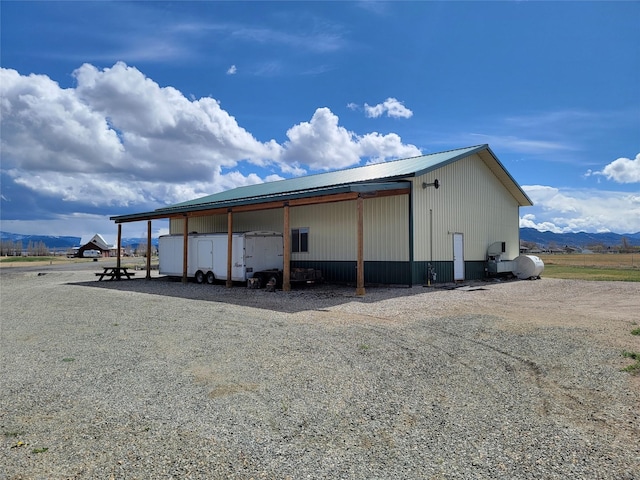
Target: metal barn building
384,223
96,243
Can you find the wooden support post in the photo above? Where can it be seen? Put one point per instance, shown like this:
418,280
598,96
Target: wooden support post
360,248
286,241
119,252
229,247
185,249
148,277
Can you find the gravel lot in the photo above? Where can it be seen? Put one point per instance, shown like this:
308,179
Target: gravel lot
156,379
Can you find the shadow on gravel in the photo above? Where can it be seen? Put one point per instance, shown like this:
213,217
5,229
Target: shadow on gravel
300,298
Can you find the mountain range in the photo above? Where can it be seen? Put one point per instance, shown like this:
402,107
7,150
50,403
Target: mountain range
64,243
580,239
543,239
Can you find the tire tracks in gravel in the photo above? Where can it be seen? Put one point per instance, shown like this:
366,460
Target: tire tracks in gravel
441,387
554,400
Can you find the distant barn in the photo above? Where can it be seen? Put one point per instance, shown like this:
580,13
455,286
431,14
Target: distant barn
95,247
385,223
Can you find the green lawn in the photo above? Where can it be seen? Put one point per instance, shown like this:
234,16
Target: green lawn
592,273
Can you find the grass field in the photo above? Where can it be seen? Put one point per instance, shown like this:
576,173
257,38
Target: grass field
129,262
39,261
623,267
33,259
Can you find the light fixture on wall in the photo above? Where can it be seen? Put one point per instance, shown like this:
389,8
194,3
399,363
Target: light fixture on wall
435,183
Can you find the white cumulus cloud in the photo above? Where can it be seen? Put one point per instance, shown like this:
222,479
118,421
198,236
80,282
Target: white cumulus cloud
118,138
45,127
623,170
573,210
323,144
232,70
392,107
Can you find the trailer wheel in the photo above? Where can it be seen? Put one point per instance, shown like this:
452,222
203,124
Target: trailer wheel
199,276
210,278
254,282
274,280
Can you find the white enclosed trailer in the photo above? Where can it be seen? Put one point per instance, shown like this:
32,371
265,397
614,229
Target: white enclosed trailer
252,252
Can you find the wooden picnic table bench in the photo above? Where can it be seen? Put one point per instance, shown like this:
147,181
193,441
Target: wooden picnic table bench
115,273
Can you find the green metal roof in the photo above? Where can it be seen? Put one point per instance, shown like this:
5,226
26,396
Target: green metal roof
376,176
379,171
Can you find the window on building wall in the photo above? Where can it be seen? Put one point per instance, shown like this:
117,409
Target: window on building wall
300,240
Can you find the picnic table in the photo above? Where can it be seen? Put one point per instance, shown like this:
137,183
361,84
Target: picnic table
115,273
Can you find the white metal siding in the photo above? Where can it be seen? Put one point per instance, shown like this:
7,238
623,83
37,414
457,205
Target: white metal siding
386,228
210,224
470,200
333,229
266,220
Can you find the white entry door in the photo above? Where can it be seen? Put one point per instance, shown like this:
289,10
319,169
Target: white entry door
458,257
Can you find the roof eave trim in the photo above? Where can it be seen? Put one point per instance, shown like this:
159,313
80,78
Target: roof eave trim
173,211
528,202
473,150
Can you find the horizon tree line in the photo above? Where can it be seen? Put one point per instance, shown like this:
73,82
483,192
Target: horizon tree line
12,248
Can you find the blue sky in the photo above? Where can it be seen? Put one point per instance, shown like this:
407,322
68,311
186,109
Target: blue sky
120,107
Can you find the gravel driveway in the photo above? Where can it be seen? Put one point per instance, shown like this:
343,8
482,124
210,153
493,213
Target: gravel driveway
156,379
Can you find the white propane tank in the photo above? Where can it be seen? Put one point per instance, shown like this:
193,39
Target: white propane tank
527,266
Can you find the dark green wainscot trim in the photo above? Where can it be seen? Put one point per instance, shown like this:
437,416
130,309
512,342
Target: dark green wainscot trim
391,273
473,270
443,271
385,273
339,272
